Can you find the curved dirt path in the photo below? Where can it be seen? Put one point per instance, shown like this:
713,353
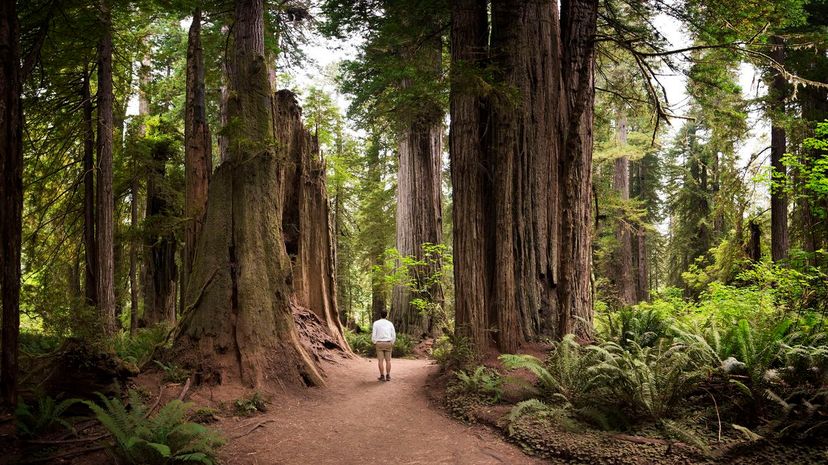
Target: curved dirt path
359,420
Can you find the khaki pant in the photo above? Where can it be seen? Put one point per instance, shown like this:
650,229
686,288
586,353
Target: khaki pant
384,349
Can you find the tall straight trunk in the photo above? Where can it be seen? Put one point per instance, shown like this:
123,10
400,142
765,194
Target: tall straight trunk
134,188
160,245
623,264
197,147
90,244
779,200
11,198
104,226
469,38
419,199
419,220
642,282
238,324
578,27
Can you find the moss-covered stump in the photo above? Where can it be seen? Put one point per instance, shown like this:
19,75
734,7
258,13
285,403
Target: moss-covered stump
237,325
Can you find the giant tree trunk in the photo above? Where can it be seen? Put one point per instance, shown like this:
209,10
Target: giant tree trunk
11,198
578,27
160,247
306,222
469,38
419,204
779,201
197,148
90,246
622,266
104,226
238,324
506,194
419,220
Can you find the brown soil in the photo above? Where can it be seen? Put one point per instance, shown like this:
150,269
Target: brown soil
358,419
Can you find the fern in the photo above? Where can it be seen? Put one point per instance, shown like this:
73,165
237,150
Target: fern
161,439
482,381
522,408
44,416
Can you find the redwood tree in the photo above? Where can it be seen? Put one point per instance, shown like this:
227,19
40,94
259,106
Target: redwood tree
197,146
779,201
238,323
11,197
624,277
521,151
104,225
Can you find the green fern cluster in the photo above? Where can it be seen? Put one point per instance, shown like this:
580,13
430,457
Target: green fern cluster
608,384
644,324
43,416
139,349
161,439
483,382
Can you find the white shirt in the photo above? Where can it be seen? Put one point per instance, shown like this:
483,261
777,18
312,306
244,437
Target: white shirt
383,331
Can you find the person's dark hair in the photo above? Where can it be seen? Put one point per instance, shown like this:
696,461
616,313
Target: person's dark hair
383,314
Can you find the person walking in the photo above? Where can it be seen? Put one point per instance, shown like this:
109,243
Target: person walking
383,336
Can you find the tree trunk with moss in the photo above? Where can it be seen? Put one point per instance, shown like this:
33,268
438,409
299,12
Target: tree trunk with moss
198,163
238,323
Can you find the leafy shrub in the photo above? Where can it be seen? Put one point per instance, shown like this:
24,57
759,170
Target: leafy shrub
250,405
403,345
483,382
163,438
139,349
43,416
361,344
32,343
452,350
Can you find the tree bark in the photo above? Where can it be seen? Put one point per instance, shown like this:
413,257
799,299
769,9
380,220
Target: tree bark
90,244
104,226
623,264
306,222
779,200
238,324
419,220
469,39
521,170
160,247
197,147
11,198
578,27
419,196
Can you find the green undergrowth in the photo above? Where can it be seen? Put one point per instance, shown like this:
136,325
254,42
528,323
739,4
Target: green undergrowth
361,344
147,438
741,367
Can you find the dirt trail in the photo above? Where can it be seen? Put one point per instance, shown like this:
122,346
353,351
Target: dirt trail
359,420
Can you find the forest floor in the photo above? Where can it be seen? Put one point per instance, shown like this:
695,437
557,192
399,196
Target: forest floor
357,419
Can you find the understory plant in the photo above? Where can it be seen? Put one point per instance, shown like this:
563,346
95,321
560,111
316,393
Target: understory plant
44,415
483,382
160,439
